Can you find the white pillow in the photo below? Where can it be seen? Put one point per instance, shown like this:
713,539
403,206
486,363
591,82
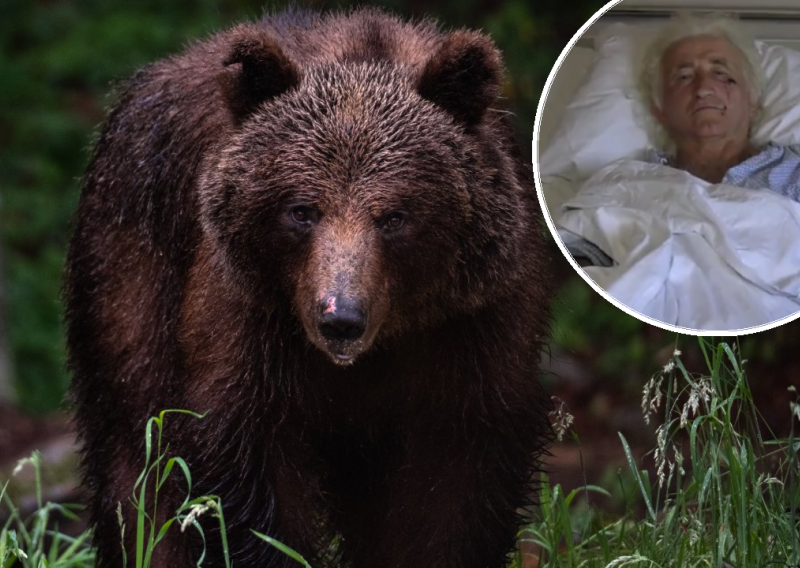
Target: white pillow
780,121
602,124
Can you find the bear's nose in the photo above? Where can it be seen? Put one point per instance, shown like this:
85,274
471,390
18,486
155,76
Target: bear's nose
341,318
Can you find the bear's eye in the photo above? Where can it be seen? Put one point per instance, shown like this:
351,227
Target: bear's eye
303,215
393,221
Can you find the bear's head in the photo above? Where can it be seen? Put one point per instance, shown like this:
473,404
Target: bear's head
363,192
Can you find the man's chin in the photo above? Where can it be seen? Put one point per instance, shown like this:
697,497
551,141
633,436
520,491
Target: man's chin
710,128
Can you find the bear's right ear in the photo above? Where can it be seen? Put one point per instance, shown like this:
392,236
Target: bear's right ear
464,76
265,73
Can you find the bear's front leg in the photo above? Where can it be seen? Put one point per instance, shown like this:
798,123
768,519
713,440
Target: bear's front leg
454,503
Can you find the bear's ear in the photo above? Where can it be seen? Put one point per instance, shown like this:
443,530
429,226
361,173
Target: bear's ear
464,76
264,73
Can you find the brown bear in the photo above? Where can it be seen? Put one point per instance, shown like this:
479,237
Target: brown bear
318,231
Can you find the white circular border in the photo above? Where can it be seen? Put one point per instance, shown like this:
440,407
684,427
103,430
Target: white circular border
551,225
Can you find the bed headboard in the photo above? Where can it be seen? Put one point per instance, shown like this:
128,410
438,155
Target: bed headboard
772,21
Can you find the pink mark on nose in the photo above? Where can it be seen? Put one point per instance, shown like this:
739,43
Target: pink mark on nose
331,307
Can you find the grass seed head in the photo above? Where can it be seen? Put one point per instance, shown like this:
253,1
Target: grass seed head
561,417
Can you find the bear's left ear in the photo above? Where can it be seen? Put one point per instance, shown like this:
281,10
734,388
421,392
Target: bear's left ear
464,76
265,73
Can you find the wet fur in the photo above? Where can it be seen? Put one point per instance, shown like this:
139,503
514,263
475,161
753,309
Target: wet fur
189,286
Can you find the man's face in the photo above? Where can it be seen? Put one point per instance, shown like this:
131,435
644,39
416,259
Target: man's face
704,93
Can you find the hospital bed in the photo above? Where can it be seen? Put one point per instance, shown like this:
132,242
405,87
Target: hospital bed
687,255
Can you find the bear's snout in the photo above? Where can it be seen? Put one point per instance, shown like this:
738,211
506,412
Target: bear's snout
341,318
342,294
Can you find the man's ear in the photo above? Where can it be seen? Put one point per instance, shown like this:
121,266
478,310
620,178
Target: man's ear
754,109
657,112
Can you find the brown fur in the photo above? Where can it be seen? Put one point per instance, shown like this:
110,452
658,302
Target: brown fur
317,231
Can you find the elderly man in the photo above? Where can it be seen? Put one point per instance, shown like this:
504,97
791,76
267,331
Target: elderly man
702,80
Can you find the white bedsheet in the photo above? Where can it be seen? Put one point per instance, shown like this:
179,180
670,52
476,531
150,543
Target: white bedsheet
689,253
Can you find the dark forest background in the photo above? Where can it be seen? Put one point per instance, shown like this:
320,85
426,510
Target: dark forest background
58,62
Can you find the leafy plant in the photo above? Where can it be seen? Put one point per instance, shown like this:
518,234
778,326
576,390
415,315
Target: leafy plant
731,499
33,543
158,468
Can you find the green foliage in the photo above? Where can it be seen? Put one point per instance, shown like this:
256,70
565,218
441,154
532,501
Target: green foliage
150,528
34,543
615,348
290,552
585,322
731,499
37,542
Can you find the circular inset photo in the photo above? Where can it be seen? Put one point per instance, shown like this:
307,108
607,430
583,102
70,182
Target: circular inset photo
667,156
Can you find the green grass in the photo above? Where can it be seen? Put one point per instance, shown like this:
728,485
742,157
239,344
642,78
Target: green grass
37,542
720,493
159,466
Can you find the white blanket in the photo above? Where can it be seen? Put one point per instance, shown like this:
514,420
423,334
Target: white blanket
689,253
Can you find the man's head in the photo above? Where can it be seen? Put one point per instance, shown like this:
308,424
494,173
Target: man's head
702,80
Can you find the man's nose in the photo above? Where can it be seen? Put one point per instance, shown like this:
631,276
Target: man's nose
703,85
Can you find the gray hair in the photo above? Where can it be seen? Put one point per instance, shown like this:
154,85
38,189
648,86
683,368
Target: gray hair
686,25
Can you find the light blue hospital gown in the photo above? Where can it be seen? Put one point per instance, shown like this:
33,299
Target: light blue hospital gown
775,167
